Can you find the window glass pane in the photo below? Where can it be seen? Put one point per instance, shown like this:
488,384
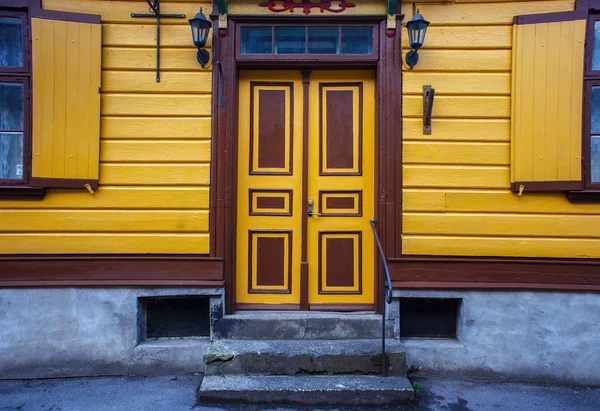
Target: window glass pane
595,126
11,42
257,40
323,40
596,53
290,40
595,159
11,106
11,155
357,40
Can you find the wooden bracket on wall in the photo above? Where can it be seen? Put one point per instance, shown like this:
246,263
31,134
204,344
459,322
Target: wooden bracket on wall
428,94
222,9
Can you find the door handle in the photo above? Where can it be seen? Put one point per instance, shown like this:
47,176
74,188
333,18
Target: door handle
311,204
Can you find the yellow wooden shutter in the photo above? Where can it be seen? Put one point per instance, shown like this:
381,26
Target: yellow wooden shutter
66,101
547,100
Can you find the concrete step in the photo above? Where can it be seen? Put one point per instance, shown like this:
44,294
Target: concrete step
268,325
289,357
307,389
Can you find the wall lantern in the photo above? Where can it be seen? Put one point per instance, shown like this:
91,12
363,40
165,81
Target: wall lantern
417,28
200,29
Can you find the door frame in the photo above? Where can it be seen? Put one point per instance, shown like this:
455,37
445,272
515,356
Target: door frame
388,132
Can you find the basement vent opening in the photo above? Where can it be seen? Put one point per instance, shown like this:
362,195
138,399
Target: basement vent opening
428,317
172,317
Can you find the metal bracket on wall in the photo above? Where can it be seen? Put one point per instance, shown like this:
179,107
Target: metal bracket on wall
155,9
428,94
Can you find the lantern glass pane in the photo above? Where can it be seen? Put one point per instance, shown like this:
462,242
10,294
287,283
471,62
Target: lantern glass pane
195,35
357,40
323,40
290,40
257,40
204,33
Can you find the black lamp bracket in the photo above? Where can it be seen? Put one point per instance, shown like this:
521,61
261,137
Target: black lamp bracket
412,58
154,7
428,94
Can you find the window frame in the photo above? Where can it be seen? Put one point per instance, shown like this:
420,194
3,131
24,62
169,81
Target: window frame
21,75
26,130
26,68
591,79
306,57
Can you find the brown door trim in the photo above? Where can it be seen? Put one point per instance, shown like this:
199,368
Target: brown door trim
304,306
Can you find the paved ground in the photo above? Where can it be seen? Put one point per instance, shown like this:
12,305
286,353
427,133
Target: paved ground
176,393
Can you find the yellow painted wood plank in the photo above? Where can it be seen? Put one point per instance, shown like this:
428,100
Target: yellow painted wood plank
183,198
169,105
459,106
577,99
155,174
515,78
564,99
550,151
45,92
525,114
122,243
84,96
488,12
472,37
502,225
60,99
457,83
72,101
457,129
171,35
463,60
155,127
155,151
37,70
131,58
94,114
508,202
455,153
538,87
455,176
120,11
103,221
423,200
502,247
170,82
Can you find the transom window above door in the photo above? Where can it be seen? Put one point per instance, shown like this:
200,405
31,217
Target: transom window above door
308,41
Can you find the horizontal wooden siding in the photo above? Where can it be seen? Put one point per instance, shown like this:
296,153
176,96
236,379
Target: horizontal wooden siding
155,148
456,181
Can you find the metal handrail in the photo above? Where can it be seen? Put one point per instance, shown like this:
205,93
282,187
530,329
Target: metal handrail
387,293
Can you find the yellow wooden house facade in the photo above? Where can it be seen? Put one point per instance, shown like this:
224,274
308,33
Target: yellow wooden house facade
132,182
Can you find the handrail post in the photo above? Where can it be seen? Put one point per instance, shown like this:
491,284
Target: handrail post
386,294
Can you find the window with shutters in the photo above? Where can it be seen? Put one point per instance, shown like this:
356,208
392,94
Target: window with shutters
547,102
49,99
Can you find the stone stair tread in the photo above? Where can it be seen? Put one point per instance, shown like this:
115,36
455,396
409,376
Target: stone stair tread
289,357
308,389
302,347
294,326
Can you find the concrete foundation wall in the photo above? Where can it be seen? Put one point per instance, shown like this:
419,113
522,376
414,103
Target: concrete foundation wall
538,336
56,332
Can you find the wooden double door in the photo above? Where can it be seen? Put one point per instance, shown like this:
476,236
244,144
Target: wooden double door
305,190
